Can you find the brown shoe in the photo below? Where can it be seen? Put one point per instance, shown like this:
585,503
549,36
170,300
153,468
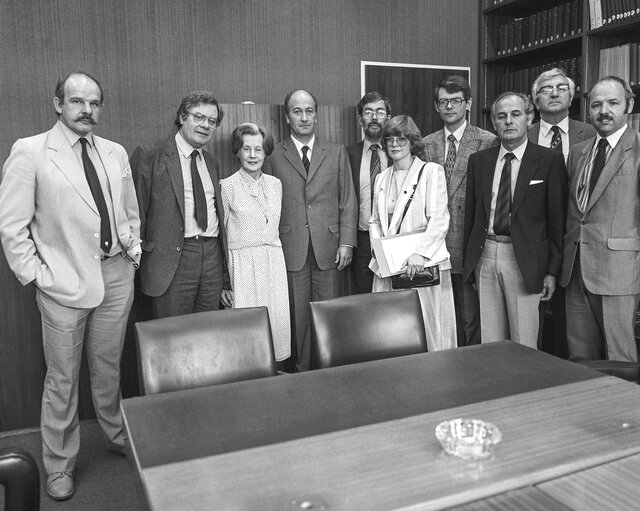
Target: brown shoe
60,485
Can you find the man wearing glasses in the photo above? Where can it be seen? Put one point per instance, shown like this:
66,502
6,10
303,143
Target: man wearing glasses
181,222
451,148
367,159
552,93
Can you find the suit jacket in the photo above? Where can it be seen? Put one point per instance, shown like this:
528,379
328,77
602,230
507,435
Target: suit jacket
320,207
578,132
160,187
354,152
473,139
608,232
49,222
427,211
537,212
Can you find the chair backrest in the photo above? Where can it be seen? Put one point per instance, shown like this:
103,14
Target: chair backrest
21,480
365,327
204,348
629,371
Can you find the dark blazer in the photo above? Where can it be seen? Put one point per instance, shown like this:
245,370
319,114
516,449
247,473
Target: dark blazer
473,140
354,152
578,131
321,206
537,213
159,185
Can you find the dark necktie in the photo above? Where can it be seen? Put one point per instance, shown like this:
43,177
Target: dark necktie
598,164
98,197
451,158
374,165
305,160
556,140
199,199
501,219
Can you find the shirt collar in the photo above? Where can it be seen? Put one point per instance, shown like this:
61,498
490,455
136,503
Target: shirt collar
614,138
457,133
185,147
72,136
518,151
299,145
545,127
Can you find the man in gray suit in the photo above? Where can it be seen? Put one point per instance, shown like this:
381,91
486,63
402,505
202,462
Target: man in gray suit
319,214
69,225
367,159
451,148
552,94
601,265
177,184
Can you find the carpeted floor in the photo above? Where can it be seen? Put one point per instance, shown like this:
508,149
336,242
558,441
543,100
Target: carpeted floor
104,481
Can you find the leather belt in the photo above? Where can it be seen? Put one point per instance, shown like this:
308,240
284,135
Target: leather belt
200,238
499,238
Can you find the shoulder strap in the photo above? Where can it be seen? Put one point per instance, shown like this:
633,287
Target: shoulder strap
406,208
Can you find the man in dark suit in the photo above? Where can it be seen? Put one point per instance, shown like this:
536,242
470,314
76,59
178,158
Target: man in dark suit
367,159
451,148
601,265
514,217
552,94
319,214
177,184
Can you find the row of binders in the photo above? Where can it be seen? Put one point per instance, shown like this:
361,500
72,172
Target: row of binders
521,79
622,61
542,27
604,12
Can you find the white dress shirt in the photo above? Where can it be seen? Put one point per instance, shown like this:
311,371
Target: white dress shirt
546,135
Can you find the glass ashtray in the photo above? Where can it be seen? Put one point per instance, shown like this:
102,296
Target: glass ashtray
468,438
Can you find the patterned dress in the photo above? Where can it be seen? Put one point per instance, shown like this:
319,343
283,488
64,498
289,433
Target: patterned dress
255,258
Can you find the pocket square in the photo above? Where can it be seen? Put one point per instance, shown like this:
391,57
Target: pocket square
536,182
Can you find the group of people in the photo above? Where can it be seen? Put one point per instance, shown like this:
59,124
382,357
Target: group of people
509,220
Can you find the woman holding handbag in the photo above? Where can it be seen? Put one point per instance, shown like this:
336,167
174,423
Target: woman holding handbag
411,197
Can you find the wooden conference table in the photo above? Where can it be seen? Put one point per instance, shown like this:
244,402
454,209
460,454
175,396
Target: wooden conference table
362,437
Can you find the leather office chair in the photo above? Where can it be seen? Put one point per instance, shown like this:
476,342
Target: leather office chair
204,348
365,327
21,480
629,371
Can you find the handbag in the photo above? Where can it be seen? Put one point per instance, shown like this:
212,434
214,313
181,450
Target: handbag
426,277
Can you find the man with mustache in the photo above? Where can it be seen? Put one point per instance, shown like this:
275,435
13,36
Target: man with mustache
177,182
319,214
601,265
552,94
69,225
367,159
451,148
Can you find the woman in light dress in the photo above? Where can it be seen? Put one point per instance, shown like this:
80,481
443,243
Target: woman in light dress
251,202
401,140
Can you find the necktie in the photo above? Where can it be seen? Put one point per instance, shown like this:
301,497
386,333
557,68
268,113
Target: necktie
98,197
199,199
451,158
501,220
556,140
598,163
374,165
305,160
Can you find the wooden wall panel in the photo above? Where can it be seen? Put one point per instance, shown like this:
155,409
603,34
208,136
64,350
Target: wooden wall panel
149,53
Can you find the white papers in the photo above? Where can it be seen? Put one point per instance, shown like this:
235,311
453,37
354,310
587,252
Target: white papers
392,251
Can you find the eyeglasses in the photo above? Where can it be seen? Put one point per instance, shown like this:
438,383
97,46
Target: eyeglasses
380,113
399,141
442,104
548,89
200,119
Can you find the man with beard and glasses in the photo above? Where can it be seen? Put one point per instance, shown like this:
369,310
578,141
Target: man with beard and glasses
367,159
69,225
451,148
601,265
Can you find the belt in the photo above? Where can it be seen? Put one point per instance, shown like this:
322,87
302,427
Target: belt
499,238
200,238
104,257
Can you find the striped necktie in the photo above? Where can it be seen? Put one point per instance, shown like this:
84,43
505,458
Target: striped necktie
502,220
556,140
305,159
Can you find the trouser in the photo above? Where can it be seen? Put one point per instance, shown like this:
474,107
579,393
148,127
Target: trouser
467,307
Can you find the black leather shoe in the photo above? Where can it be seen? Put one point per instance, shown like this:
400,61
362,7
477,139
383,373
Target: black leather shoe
60,485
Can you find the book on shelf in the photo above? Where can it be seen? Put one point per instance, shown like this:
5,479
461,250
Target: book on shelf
620,61
604,12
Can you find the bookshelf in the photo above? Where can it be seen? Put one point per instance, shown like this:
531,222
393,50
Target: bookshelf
586,38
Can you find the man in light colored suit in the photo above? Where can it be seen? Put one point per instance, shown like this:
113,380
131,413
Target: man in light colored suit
178,184
451,148
69,225
367,159
319,214
601,266
514,219
552,94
